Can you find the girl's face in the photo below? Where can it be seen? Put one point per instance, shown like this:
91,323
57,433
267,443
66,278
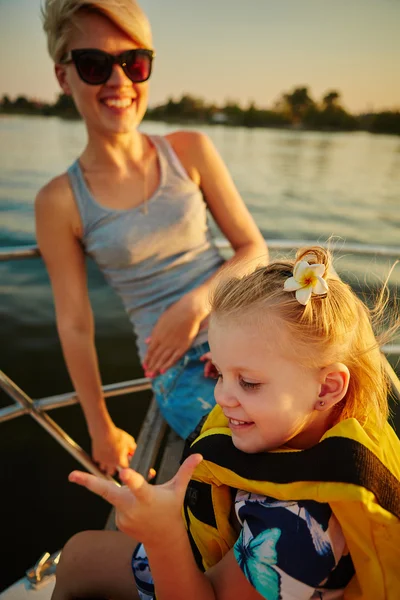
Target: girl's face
268,397
117,106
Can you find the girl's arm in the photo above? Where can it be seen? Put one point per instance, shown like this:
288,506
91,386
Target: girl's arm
152,514
179,325
177,577
58,235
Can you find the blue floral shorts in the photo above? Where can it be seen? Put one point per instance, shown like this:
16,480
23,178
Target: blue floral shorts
142,574
183,394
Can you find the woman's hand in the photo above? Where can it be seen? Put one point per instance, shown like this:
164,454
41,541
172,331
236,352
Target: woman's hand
112,449
173,334
146,512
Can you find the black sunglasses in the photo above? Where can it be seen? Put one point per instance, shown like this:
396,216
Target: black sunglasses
95,66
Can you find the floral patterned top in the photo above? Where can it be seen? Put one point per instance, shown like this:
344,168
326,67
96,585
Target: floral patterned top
287,550
291,550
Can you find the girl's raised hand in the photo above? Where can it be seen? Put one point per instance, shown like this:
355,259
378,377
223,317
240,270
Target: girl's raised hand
143,511
209,368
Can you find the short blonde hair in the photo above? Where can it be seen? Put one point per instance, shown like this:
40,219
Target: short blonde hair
335,328
59,15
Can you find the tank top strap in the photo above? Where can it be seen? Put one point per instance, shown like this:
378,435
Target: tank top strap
166,151
89,210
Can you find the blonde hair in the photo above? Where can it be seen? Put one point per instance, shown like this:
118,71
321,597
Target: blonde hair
335,328
59,17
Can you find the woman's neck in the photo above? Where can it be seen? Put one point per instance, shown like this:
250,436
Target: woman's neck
117,152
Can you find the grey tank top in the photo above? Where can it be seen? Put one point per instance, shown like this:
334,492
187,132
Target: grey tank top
151,260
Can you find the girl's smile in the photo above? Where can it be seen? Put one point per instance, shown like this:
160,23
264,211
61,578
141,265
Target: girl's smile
267,396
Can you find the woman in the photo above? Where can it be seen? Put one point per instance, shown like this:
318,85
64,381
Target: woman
136,204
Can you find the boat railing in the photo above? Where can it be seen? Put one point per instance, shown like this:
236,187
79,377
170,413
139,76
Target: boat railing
154,428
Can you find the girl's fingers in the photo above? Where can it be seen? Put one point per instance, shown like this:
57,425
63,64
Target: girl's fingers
185,472
124,462
206,356
210,371
207,369
105,489
136,483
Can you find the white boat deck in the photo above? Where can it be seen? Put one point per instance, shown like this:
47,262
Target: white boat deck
22,590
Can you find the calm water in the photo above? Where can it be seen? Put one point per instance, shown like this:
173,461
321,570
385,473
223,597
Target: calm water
298,185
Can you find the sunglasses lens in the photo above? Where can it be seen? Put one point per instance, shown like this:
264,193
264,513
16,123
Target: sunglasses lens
93,67
138,66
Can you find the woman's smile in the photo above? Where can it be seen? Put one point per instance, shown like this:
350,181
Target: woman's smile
118,105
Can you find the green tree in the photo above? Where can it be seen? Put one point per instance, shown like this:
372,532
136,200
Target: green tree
234,112
298,102
385,122
330,100
23,104
332,116
65,107
6,102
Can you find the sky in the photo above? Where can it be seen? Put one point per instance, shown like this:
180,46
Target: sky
237,50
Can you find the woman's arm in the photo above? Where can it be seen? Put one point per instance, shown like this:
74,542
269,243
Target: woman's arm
58,234
179,325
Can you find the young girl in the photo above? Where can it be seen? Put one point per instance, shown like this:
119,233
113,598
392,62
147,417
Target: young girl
293,483
137,204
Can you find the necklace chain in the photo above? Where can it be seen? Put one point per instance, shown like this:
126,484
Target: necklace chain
145,172
144,209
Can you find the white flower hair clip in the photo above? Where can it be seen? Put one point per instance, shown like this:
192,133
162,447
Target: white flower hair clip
307,280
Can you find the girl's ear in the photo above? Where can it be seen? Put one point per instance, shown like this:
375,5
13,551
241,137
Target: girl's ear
62,79
334,382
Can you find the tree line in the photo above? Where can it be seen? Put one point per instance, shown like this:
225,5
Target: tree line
294,109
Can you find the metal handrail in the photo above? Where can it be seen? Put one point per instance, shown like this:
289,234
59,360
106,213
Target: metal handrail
22,399
16,252
70,398
32,251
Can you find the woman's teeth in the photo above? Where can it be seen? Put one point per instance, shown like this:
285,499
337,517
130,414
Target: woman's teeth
118,102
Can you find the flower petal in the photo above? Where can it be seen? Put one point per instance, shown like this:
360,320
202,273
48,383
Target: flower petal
303,295
318,269
291,285
299,268
320,287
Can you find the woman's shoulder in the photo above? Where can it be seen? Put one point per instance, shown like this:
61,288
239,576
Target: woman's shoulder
194,149
55,200
186,138
196,144
57,188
